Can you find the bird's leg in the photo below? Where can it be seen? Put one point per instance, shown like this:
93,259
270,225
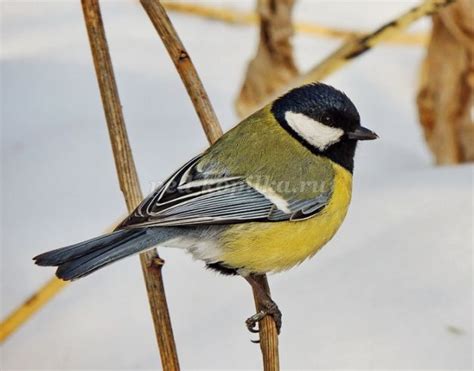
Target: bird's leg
265,304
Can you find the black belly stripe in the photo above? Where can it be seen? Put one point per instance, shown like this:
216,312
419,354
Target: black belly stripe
221,268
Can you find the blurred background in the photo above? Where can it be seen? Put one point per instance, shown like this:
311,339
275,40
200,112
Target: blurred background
392,290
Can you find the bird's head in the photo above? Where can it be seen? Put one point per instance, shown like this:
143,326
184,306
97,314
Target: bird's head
324,120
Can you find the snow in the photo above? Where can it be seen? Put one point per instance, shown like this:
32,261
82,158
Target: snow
392,290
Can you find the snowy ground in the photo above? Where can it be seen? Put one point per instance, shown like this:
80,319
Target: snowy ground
393,289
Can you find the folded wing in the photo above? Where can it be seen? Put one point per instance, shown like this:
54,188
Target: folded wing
191,197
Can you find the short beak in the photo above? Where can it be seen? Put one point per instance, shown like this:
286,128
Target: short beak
362,133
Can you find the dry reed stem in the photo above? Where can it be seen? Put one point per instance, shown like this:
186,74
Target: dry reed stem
30,306
36,301
128,179
268,332
212,128
357,47
353,48
185,67
238,17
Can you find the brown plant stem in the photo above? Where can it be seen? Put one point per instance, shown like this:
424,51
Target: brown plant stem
30,306
212,128
185,67
268,332
128,179
36,301
238,17
354,48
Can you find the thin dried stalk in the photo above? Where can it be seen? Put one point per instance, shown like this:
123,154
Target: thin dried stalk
36,301
212,128
268,332
238,17
30,306
356,47
128,179
185,67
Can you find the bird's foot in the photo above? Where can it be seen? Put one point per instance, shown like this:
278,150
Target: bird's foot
269,308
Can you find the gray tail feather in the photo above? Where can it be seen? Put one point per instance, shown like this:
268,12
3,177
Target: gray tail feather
81,259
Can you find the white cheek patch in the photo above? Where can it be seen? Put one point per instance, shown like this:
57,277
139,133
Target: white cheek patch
319,135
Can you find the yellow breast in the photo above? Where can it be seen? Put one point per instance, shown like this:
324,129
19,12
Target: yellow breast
272,247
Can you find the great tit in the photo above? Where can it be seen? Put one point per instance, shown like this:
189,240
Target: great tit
265,197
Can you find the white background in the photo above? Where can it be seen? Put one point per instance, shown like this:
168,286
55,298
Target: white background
393,289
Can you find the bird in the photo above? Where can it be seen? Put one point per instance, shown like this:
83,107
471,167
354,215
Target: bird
262,199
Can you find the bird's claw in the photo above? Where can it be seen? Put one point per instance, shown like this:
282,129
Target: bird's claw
252,321
271,310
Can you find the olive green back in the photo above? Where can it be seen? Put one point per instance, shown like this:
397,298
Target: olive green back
264,153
